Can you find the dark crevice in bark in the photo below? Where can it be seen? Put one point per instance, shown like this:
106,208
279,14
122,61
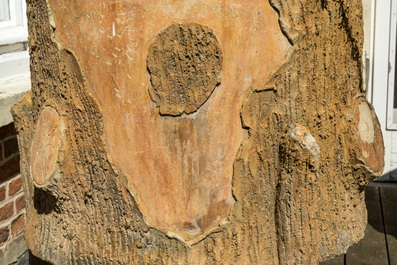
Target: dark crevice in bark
355,46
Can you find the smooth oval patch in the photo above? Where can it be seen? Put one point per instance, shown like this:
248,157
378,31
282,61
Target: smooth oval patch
365,126
370,141
45,146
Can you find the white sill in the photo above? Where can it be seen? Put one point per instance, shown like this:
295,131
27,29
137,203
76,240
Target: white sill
13,65
11,35
10,93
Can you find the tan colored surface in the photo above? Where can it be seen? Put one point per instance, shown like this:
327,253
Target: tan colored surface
370,140
178,169
45,145
277,157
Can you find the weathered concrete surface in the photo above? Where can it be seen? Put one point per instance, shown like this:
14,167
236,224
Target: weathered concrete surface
255,159
10,93
15,252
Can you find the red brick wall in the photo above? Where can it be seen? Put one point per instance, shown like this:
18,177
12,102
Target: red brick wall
12,202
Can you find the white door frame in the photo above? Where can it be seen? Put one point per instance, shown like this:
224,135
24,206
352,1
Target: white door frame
380,78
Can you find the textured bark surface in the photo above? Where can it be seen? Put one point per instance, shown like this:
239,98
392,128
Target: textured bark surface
196,132
184,63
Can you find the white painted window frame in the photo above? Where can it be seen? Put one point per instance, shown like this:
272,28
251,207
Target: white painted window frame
15,29
383,75
386,20
14,66
391,111
368,53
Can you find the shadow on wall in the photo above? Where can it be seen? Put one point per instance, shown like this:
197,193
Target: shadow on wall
33,260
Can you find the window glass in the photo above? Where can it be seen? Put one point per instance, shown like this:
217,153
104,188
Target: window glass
4,10
392,86
395,88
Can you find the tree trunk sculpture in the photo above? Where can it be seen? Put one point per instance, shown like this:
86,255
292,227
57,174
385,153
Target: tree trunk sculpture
196,132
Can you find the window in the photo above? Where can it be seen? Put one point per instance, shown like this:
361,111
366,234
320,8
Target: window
13,23
383,80
392,84
5,11
368,51
14,57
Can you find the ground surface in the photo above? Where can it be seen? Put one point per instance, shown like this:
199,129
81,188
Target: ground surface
379,246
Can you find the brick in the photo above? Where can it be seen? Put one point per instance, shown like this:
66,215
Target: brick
10,147
1,152
14,186
7,211
18,225
2,193
4,132
9,169
20,203
4,234
12,129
